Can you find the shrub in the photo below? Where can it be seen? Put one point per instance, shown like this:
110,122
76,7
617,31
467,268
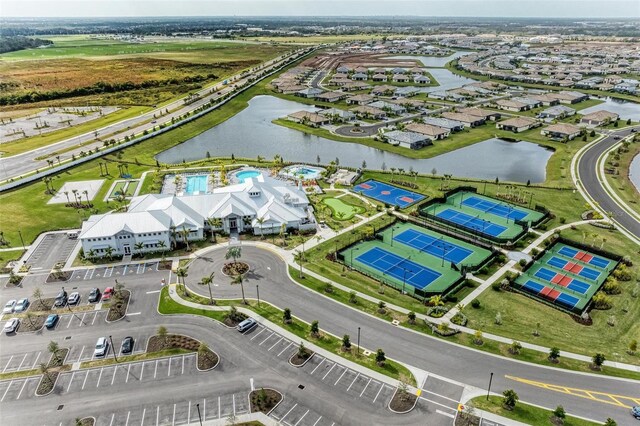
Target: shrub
353,298
554,354
477,338
498,319
602,301
515,347
346,342
412,317
612,286
460,319
381,306
451,298
598,359
559,413
510,398
475,304
380,357
633,347
314,329
328,288
522,262
610,422
496,286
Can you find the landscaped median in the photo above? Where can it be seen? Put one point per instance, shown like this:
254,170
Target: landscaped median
176,304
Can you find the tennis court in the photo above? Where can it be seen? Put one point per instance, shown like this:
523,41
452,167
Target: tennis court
472,222
583,271
557,276
434,246
388,194
484,205
585,257
395,266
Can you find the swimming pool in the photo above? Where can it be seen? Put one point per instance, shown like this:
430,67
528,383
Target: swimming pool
302,171
246,174
196,184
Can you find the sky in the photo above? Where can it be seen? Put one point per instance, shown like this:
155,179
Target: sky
466,8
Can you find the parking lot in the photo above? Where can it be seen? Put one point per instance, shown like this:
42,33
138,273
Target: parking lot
114,271
52,249
350,383
290,413
11,390
22,361
80,353
179,413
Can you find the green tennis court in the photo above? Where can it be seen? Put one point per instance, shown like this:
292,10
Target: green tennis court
414,259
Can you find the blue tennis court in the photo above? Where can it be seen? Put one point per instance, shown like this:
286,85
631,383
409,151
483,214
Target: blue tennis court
388,194
533,286
433,246
473,223
544,291
585,257
401,269
498,209
562,280
583,271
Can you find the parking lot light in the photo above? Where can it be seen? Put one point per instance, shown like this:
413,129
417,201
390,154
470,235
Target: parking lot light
199,416
114,349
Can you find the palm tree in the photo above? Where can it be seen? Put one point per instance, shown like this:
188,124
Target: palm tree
162,334
139,246
162,246
393,170
214,223
436,300
260,222
185,236
182,273
283,233
234,253
174,241
109,252
91,254
53,350
86,195
239,279
44,369
66,193
207,281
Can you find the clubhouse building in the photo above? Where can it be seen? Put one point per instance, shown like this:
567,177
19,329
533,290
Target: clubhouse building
155,222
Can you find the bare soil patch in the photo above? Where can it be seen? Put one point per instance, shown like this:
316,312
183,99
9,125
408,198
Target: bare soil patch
34,323
206,360
298,359
235,268
56,277
403,402
118,308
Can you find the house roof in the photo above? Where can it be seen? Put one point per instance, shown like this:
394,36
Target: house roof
518,122
600,115
405,137
426,129
313,117
563,128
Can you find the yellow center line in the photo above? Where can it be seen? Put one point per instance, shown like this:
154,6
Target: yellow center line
603,397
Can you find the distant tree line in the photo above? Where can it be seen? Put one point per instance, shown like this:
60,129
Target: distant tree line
98,88
11,44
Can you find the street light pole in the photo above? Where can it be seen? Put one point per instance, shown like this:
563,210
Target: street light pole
489,389
21,240
199,416
358,340
258,293
114,349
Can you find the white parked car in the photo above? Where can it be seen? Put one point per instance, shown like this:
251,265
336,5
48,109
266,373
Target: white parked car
22,305
11,326
9,307
102,345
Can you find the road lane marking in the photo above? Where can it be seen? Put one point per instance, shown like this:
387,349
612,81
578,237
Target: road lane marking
365,387
317,366
602,397
445,414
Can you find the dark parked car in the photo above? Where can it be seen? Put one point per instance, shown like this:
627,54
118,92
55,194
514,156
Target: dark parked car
127,345
61,299
51,321
94,295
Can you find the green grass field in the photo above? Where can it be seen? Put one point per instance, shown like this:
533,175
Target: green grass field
342,210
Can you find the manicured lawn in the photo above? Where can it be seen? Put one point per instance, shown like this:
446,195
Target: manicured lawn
620,181
8,256
520,314
298,327
342,210
525,413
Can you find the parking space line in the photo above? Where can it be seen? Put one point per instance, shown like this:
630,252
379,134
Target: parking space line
365,387
378,394
144,412
263,329
327,373
182,365
282,419
70,320
71,381
290,343
22,388
124,271
301,418
189,413
317,421
173,422
169,369
85,379
113,378
138,271
8,362
142,370
36,361
112,417
22,362
128,370
5,392
204,408
156,370
99,377
274,345
127,422
343,373
95,315
86,274
82,320
354,380
321,362
80,357
272,333
157,415
233,399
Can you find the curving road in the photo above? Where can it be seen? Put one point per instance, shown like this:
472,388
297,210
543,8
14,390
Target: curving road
589,177
436,356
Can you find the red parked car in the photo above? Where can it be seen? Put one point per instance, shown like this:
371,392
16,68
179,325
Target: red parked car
108,292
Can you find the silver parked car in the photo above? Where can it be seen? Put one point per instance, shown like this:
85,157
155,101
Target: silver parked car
11,326
9,307
22,305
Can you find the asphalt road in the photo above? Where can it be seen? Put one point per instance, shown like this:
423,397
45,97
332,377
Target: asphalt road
433,355
587,169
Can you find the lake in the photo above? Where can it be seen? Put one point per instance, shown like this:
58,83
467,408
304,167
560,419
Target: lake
634,172
251,133
444,77
625,109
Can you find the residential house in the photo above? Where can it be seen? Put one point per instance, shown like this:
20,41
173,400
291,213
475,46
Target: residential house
379,77
391,108
569,97
466,119
511,105
309,92
359,76
355,85
308,118
546,99
365,111
529,102
411,140
336,114
331,96
557,112
480,112
421,79
451,125
400,78
561,131
383,89
517,124
433,132
599,118
362,99
406,91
